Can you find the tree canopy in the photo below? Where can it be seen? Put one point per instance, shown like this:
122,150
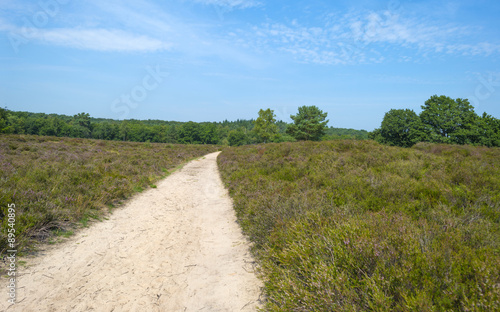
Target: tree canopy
402,127
448,120
308,124
265,127
3,120
237,137
82,125
442,120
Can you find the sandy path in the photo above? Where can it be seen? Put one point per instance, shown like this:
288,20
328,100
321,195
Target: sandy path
173,248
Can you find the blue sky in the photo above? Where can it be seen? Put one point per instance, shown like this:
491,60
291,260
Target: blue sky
210,60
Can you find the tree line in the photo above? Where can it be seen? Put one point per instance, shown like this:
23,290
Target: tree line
240,132
442,120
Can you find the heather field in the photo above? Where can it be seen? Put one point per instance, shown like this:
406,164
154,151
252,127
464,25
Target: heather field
58,182
358,226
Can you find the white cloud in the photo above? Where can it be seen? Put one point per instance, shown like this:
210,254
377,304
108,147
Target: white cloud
395,29
103,40
481,48
239,4
93,39
105,27
353,37
139,25
365,37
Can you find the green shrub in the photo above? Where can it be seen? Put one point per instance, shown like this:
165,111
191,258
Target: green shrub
357,226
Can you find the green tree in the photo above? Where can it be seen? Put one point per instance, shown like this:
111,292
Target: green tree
55,126
83,120
308,124
237,137
105,131
345,134
209,134
172,134
265,127
401,127
124,131
4,118
489,130
137,131
81,126
189,133
16,124
450,121
33,125
223,133
376,136
159,134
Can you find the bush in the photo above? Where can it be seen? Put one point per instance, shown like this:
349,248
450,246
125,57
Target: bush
358,226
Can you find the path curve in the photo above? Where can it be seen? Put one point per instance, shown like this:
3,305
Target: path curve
174,248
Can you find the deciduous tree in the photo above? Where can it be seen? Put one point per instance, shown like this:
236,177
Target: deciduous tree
237,137
4,116
401,127
450,121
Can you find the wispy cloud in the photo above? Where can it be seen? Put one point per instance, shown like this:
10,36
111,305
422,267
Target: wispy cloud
89,27
393,28
137,26
350,38
365,38
92,39
189,37
103,40
238,77
481,48
238,4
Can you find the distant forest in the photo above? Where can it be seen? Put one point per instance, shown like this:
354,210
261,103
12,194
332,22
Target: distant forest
233,133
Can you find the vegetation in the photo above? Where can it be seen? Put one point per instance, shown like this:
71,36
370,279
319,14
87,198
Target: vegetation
265,127
402,127
359,226
308,124
58,181
84,126
449,121
345,225
442,120
234,133
344,134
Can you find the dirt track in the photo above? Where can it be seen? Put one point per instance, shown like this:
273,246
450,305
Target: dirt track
173,248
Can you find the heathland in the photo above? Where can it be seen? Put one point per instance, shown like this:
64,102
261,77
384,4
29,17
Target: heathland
176,247
56,182
344,225
359,226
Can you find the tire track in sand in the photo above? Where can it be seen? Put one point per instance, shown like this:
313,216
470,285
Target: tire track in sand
174,248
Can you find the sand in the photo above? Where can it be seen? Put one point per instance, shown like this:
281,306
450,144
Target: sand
176,247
